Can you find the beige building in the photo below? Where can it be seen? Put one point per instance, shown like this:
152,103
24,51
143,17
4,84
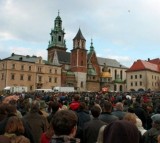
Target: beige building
30,71
143,75
115,75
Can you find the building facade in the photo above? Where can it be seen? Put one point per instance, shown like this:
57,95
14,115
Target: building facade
144,75
29,71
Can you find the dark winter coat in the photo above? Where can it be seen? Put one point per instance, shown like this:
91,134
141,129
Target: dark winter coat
64,139
91,130
107,117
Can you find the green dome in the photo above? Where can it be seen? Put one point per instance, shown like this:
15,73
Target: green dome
58,18
91,72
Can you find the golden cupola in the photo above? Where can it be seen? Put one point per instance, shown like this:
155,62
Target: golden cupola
105,73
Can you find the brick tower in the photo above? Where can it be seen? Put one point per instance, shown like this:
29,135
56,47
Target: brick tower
79,60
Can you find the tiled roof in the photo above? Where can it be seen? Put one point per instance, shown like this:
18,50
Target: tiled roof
63,57
23,58
143,65
110,62
27,58
154,61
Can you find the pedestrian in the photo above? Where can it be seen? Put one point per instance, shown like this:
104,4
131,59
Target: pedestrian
121,131
64,124
91,128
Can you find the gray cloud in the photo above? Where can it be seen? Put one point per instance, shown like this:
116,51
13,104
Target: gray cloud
125,27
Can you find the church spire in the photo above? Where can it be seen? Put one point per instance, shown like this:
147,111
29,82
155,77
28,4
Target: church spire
91,47
57,35
79,41
79,35
58,12
58,22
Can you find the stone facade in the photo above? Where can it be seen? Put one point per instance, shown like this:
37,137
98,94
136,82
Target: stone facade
31,72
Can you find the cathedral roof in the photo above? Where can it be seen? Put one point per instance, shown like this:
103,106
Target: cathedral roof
79,35
110,62
63,57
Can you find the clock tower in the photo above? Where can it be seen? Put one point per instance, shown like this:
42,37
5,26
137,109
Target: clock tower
57,41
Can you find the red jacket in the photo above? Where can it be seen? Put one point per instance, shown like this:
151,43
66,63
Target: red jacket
74,105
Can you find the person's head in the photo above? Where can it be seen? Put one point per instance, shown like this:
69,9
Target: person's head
130,117
107,106
82,106
96,111
11,110
35,106
43,105
131,110
136,105
3,107
76,97
119,106
54,105
64,122
14,125
121,131
156,121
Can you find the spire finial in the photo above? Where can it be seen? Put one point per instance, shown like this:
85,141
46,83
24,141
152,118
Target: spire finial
91,42
91,47
58,12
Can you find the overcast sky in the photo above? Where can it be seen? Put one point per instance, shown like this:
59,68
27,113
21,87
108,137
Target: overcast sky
125,30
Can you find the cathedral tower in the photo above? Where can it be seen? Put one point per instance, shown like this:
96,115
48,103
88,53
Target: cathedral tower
57,41
79,60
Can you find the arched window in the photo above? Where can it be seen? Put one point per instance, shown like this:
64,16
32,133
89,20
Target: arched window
59,38
121,74
115,74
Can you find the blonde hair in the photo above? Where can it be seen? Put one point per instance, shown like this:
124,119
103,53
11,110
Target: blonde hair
14,125
130,117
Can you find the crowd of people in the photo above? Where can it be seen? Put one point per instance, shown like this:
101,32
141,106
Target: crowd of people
87,117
